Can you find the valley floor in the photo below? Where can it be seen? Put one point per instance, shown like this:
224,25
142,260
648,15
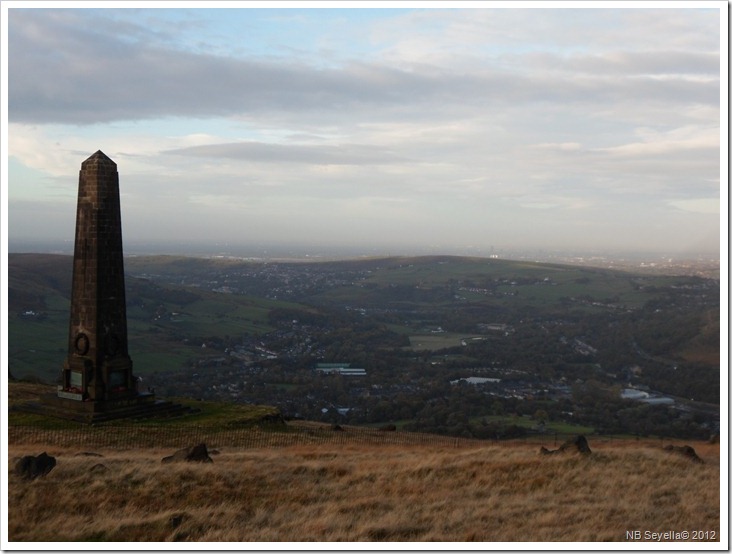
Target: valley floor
355,493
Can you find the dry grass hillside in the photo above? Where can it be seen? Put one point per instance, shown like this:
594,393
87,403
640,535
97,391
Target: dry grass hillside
361,492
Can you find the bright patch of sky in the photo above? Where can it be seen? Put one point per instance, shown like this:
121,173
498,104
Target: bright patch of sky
380,129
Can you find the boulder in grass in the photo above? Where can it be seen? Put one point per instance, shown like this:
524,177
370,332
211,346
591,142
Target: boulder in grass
98,468
579,443
686,451
31,467
198,453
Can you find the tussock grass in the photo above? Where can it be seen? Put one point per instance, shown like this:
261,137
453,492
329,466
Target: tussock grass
366,493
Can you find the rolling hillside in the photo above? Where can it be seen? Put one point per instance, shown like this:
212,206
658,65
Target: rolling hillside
166,324
547,342
171,299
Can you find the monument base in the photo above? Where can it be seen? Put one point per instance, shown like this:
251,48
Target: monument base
139,406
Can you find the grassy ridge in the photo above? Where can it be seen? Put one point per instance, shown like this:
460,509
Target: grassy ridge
307,482
206,414
366,493
569,280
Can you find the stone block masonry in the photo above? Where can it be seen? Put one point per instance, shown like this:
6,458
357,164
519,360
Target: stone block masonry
97,383
98,366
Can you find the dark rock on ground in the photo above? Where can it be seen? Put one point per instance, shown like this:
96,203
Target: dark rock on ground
31,467
579,443
177,456
176,519
198,453
98,468
686,451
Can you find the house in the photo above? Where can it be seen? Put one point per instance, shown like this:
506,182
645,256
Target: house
476,380
340,369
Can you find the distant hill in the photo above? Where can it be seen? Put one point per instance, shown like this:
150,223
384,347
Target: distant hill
415,323
166,323
33,278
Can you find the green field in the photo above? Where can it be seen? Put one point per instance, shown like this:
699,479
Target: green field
508,283
37,345
438,341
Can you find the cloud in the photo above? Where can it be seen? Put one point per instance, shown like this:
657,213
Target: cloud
680,141
95,72
697,205
447,124
562,146
558,202
339,154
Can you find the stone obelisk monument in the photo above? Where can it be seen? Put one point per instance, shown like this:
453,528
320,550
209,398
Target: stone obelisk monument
97,382
98,367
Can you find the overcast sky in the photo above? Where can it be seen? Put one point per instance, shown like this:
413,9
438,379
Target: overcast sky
379,129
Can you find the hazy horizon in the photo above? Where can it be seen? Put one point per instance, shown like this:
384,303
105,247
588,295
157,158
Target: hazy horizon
384,131
304,251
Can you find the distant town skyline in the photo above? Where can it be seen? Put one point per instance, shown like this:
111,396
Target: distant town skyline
429,127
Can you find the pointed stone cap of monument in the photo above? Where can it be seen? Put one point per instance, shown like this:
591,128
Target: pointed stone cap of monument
99,157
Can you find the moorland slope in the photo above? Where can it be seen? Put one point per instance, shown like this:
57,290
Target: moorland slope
355,486
359,492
